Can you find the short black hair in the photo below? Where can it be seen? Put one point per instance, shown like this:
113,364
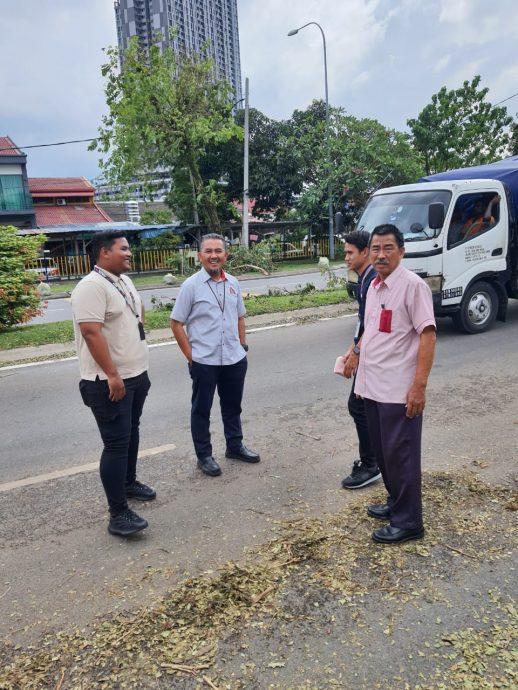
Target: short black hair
389,229
211,236
359,238
105,240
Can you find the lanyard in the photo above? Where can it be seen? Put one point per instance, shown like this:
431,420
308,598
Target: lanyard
221,306
117,286
367,273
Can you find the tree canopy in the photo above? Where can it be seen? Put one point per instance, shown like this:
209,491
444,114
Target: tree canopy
164,110
460,128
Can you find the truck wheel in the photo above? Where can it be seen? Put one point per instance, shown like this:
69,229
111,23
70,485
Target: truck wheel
478,309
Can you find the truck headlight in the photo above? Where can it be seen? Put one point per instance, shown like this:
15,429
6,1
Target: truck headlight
434,283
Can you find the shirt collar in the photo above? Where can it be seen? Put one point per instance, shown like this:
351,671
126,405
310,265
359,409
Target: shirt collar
112,276
365,272
389,280
206,276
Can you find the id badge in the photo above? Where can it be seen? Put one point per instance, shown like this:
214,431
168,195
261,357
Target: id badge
141,330
385,321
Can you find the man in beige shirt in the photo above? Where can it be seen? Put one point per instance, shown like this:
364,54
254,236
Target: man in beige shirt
113,362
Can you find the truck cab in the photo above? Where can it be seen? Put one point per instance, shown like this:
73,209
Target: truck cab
460,237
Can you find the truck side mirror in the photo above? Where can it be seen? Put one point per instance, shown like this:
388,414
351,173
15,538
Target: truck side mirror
339,222
435,215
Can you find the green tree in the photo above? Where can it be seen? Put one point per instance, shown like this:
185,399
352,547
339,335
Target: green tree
513,148
460,128
156,217
164,110
274,178
19,300
363,154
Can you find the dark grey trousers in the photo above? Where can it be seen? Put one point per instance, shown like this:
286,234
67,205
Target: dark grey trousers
396,443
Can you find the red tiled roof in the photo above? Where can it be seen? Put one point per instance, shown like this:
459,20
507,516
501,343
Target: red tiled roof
69,215
60,186
9,148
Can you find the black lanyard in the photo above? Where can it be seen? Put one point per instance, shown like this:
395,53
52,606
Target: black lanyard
119,290
222,307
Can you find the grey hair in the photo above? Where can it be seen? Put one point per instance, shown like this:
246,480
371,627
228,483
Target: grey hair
211,236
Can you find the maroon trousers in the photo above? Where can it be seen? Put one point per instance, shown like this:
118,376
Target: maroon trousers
396,443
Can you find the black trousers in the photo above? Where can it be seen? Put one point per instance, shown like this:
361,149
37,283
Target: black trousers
118,424
396,441
357,411
229,381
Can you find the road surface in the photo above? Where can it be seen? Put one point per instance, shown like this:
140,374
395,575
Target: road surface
60,309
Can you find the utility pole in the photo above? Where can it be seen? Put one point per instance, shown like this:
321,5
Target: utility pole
244,234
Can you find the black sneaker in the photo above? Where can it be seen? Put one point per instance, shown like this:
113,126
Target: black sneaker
126,523
140,492
360,476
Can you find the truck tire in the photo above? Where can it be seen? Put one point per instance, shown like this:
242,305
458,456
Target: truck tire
478,309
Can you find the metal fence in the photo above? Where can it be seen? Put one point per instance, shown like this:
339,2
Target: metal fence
289,242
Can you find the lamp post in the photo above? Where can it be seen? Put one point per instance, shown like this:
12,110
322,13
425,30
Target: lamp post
328,133
245,234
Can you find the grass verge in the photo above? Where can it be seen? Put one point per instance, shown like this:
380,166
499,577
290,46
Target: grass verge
62,331
153,279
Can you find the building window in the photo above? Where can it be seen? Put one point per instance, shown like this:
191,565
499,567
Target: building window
12,193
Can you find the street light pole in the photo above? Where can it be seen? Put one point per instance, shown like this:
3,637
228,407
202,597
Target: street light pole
328,137
245,237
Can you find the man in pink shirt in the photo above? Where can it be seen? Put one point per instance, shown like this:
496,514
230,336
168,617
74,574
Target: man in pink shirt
396,356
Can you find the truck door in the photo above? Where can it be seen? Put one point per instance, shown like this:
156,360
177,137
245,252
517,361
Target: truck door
476,242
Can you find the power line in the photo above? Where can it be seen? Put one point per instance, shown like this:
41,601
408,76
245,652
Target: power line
507,99
58,143
81,141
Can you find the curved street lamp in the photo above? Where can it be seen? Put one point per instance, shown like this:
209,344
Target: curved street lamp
328,133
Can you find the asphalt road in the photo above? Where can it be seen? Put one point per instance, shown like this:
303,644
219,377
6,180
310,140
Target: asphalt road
60,310
46,427
59,567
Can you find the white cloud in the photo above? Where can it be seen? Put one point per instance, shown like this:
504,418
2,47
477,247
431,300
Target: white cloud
385,60
291,68
442,63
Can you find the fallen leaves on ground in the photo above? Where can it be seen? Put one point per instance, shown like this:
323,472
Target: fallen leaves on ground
179,634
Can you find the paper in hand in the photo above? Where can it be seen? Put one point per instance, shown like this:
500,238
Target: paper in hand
339,366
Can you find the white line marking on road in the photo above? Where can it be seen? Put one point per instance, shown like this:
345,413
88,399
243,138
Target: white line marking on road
76,469
173,342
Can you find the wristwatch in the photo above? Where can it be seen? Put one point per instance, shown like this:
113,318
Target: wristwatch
356,350
245,347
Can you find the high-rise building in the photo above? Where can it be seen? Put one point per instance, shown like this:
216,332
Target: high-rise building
206,27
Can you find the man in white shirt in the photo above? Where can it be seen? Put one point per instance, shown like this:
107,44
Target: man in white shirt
113,361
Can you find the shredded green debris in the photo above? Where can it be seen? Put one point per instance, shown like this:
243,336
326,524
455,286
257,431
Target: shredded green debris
333,557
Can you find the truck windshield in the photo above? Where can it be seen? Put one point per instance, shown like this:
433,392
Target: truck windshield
408,211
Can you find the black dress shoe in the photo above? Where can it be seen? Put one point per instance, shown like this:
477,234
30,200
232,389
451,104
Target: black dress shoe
380,511
396,535
243,454
209,466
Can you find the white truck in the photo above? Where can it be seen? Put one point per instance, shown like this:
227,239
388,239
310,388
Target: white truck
461,237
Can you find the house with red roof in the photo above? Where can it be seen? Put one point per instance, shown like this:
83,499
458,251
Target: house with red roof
64,205
15,200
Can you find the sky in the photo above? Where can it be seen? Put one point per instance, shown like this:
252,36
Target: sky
385,58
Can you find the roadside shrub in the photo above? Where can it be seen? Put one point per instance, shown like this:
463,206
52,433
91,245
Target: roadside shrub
241,258
19,299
